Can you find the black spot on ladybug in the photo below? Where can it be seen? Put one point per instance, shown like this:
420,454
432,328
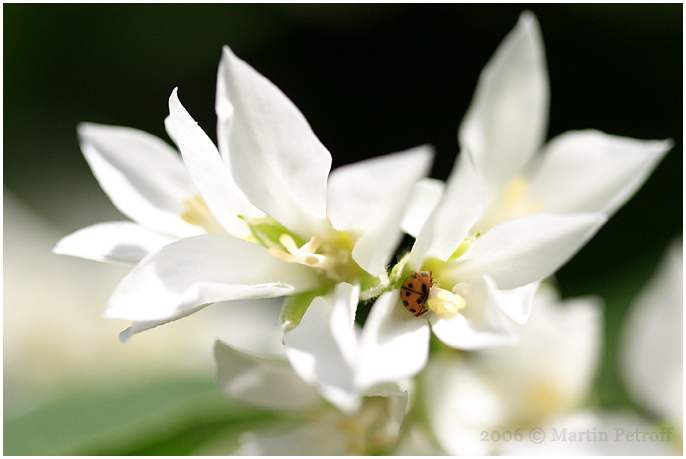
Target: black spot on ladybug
406,303
408,293
414,276
420,299
423,288
413,310
410,285
424,274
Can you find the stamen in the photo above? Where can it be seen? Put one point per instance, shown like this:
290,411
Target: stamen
515,202
197,213
444,302
304,255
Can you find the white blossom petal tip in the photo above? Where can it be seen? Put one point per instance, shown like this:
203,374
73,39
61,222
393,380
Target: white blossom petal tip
143,176
275,157
506,122
589,171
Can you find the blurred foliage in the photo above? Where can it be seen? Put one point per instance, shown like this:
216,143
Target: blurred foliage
371,79
165,418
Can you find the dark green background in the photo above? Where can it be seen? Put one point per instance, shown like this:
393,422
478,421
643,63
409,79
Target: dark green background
371,79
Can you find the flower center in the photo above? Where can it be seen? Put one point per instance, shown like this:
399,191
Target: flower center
197,213
513,202
443,302
305,255
370,430
332,255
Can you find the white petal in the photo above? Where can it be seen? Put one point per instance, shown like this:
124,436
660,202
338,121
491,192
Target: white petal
368,198
317,358
114,242
589,171
194,272
481,324
212,178
169,127
460,404
507,120
652,341
142,175
394,344
524,250
342,323
552,368
517,302
324,438
267,383
460,207
252,326
425,196
277,160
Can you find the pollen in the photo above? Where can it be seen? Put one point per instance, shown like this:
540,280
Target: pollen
443,302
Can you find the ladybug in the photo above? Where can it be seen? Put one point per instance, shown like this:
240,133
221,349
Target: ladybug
415,292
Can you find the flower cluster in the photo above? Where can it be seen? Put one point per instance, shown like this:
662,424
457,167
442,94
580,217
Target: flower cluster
261,217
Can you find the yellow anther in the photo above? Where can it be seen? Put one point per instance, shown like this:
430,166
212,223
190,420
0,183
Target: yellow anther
197,213
444,302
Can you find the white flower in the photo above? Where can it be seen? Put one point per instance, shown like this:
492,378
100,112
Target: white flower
258,217
651,362
507,216
330,352
652,341
271,384
549,373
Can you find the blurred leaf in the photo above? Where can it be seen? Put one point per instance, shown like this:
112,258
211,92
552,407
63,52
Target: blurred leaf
162,418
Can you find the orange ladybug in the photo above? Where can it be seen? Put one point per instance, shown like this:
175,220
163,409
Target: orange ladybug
415,292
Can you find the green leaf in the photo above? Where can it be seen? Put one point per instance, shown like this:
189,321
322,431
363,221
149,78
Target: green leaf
171,417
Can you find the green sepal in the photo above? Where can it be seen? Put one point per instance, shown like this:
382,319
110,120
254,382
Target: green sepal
267,231
295,306
371,287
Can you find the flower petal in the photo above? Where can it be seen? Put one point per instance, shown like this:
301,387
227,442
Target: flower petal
590,171
517,302
327,437
266,383
252,326
552,368
277,160
481,324
113,242
460,404
142,175
212,178
194,272
458,210
652,341
507,120
316,356
393,344
527,249
342,323
368,198
425,196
